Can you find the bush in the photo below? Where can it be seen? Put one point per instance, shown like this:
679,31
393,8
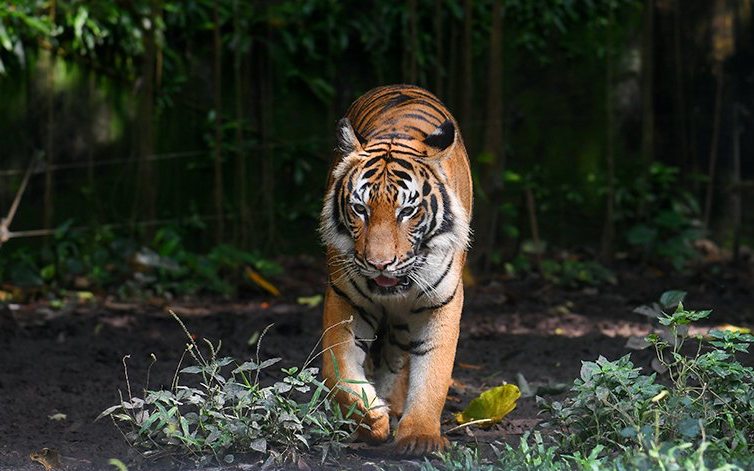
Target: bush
229,412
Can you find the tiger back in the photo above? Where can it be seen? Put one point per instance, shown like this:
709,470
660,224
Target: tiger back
395,222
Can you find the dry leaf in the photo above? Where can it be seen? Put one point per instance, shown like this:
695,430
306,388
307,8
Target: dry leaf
261,282
48,457
493,404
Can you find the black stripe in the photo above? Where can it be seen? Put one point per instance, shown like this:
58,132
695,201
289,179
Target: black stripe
394,135
400,327
447,219
436,306
431,105
401,174
368,318
337,208
403,163
373,161
377,146
444,273
433,119
403,146
402,153
358,290
422,118
362,344
432,213
395,100
414,128
419,353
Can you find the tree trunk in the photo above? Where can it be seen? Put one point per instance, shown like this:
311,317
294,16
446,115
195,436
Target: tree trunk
608,234
451,95
723,43
409,64
49,192
146,180
680,97
467,82
244,219
267,184
712,170
647,88
218,148
736,180
439,69
494,163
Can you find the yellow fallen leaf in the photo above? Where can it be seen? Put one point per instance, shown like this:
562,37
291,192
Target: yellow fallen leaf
493,404
311,301
57,416
5,296
559,331
733,328
261,282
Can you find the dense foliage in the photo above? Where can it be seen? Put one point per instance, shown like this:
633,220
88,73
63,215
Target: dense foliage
155,113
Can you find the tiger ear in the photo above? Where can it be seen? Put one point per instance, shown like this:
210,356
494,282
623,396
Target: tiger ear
349,140
441,142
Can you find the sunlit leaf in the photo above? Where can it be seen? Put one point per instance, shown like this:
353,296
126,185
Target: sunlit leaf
492,404
311,301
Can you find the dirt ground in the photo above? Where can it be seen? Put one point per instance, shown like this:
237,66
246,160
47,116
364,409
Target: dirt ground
69,361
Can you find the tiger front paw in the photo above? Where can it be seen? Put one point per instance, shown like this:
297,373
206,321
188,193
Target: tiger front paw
418,445
378,422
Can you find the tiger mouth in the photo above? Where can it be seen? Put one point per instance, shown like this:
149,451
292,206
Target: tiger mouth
389,285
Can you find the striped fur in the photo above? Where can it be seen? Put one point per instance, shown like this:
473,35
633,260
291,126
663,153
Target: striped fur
395,222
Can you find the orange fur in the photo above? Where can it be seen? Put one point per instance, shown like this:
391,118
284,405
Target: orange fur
395,223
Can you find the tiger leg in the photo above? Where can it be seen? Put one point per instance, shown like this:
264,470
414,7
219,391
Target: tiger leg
390,377
397,396
345,345
430,368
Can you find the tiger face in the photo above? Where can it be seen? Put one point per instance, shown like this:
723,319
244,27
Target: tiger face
389,213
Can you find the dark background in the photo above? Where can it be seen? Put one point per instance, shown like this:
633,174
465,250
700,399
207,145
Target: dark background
599,131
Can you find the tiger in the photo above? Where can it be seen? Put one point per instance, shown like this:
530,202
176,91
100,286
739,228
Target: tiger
395,225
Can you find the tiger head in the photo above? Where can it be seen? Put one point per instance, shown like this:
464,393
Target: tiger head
390,212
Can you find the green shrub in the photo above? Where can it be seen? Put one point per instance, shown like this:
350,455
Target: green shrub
224,410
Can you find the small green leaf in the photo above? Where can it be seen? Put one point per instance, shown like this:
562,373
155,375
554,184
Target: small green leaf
671,299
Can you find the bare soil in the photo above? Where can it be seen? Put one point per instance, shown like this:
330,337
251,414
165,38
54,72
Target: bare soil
70,361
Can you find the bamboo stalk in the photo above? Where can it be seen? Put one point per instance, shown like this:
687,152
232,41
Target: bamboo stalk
218,147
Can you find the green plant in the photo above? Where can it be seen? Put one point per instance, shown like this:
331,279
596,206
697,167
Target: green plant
708,399
573,272
660,215
226,410
103,259
534,453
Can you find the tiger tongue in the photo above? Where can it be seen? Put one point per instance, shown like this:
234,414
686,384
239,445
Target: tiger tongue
385,281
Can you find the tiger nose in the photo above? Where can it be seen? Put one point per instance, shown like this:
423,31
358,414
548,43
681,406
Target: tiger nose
379,264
